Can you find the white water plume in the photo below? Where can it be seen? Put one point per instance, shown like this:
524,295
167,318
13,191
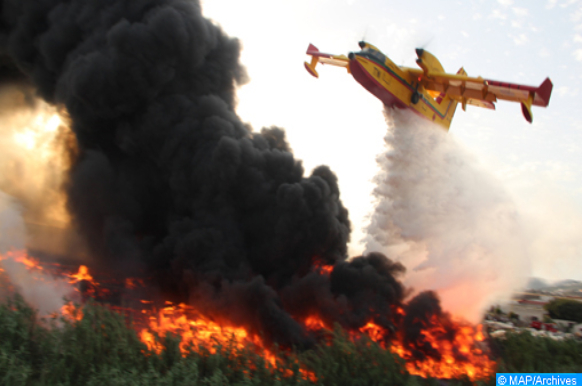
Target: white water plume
446,219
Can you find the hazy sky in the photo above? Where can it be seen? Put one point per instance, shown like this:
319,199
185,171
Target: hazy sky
334,121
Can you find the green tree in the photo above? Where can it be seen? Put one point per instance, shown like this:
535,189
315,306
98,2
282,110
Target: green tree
524,353
513,315
565,309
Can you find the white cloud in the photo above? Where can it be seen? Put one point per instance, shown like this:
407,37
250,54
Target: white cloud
566,4
563,91
477,16
464,34
520,39
497,14
544,52
515,24
520,11
578,55
577,38
505,2
551,4
403,38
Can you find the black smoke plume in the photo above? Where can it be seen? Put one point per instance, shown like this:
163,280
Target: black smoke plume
168,179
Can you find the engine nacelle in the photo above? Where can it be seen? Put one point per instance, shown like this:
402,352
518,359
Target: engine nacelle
428,62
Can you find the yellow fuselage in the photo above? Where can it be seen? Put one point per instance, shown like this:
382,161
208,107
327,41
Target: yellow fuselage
395,87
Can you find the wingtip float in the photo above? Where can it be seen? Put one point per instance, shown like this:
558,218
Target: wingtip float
428,90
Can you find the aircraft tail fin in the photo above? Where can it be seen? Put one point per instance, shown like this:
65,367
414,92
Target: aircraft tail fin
543,93
539,97
312,49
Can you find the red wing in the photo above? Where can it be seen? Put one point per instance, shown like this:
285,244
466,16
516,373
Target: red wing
489,90
519,92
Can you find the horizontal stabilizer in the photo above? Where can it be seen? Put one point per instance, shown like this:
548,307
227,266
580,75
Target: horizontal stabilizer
526,108
526,111
311,69
320,57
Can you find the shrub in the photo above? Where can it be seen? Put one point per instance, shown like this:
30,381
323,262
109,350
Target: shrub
565,309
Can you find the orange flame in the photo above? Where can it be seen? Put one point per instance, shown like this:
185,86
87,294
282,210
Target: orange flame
197,331
72,312
479,337
133,283
375,332
23,258
321,266
82,274
459,357
314,323
28,261
193,329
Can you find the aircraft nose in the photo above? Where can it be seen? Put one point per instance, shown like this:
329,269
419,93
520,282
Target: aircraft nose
362,44
419,52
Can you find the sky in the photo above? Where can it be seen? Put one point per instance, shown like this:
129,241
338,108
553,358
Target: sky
335,121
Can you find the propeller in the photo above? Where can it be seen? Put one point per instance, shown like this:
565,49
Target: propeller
420,47
365,35
427,42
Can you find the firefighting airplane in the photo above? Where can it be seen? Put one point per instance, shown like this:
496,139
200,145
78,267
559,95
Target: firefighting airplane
428,91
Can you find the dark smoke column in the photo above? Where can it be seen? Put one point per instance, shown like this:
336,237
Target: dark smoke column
168,177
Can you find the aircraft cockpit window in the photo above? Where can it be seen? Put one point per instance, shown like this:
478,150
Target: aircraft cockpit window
378,56
374,54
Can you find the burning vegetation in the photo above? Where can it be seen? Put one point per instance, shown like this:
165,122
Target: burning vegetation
431,344
194,226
